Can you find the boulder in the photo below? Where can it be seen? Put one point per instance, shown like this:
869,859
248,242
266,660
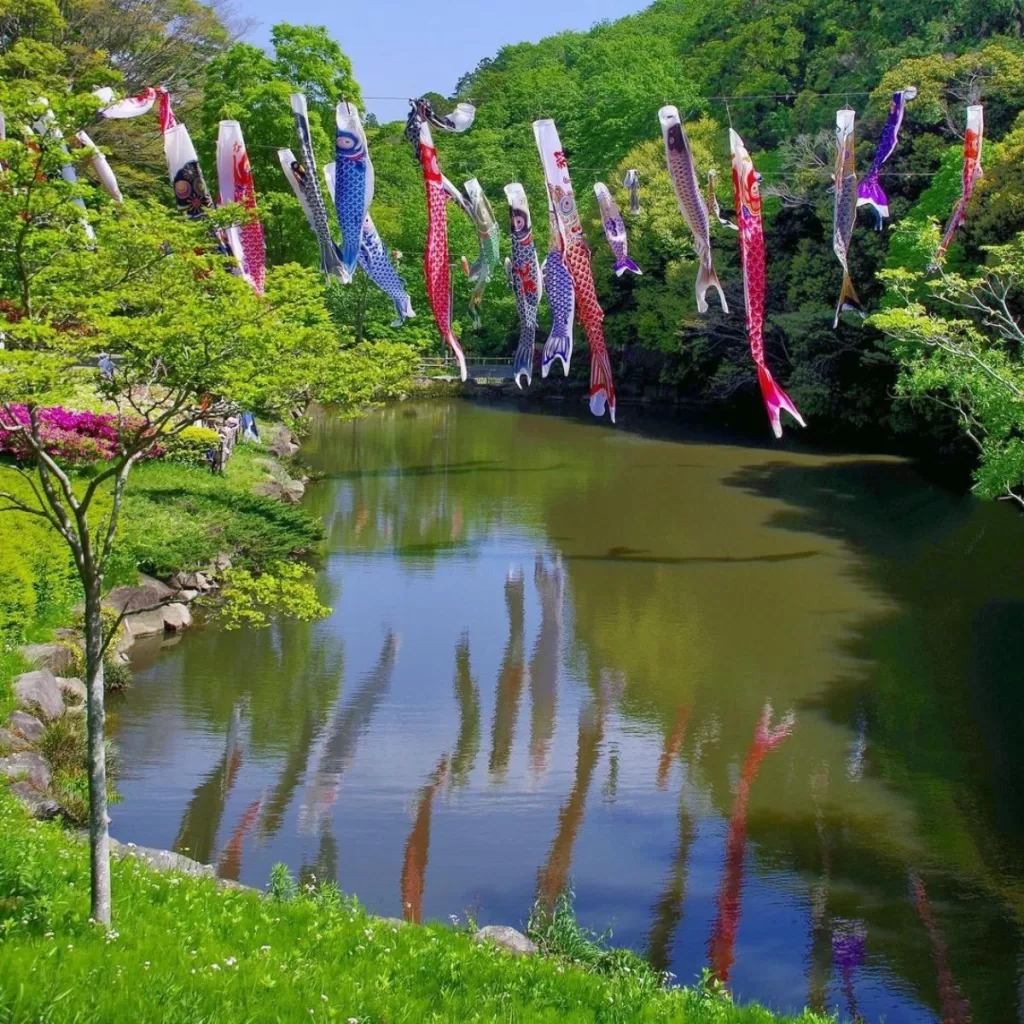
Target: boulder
508,938
222,562
27,765
39,689
58,658
39,805
191,583
73,689
164,861
147,594
145,623
286,490
28,727
176,616
282,443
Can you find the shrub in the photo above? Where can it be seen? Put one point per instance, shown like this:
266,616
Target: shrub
190,446
63,743
17,596
77,438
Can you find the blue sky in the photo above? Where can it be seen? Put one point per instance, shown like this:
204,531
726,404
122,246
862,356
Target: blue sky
403,48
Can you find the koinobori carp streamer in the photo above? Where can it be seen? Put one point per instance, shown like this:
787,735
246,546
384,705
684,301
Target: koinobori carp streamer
683,172
971,175
869,191
746,183
577,258
614,231
523,272
844,214
234,180
435,256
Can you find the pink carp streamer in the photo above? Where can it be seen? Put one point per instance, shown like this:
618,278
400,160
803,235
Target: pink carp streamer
746,183
436,268
722,944
972,174
673,744
234,178
577,258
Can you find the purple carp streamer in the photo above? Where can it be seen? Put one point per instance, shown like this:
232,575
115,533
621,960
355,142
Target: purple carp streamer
100,166
683,172
561,295
632,182
316,211
524,279
614,231
844,215
869,192
972,174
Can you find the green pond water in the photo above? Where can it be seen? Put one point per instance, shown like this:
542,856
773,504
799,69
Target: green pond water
760,707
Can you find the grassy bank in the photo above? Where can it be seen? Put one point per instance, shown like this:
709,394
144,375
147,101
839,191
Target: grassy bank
184,950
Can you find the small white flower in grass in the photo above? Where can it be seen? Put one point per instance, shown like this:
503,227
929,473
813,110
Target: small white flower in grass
323,997
387,949
352,1020
146,965
193,970
264,949
230,962
92,920
454,918
368,933
48,935
214,967
70,946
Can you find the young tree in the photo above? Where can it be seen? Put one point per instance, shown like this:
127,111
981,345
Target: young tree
185,336
960,341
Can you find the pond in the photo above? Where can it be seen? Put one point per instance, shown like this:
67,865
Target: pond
760,708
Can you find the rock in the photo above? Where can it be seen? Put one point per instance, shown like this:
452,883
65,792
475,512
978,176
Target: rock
286,490
28,727
39,689
176,616
222,562
58,658
191,583
508,938
73,689
165,861
27,765
188,596
39,805
145,623
394,922
282,443
147,594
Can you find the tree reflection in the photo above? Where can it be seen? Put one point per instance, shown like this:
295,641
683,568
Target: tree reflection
668,911
468,698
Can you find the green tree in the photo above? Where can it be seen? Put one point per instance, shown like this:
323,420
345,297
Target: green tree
186,336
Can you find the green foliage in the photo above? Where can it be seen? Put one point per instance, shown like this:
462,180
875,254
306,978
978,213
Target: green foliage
959,342
282,586
274,958
559,935
190,445
178,518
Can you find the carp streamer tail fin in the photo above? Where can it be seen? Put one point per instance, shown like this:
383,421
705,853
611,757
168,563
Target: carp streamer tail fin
775,400
453,344
602,389
523,364
558,346
624,264
707,278
848,300
869,193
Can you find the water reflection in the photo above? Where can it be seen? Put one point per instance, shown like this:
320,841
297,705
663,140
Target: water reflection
510,679
721,946
350,724
645,597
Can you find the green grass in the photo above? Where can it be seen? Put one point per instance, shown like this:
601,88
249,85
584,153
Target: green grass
181,517
183,950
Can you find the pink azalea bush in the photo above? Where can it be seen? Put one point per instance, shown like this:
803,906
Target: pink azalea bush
75,438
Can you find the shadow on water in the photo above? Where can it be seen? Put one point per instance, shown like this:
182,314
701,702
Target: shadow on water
938,713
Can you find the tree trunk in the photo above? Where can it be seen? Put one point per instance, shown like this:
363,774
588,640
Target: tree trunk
99,837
